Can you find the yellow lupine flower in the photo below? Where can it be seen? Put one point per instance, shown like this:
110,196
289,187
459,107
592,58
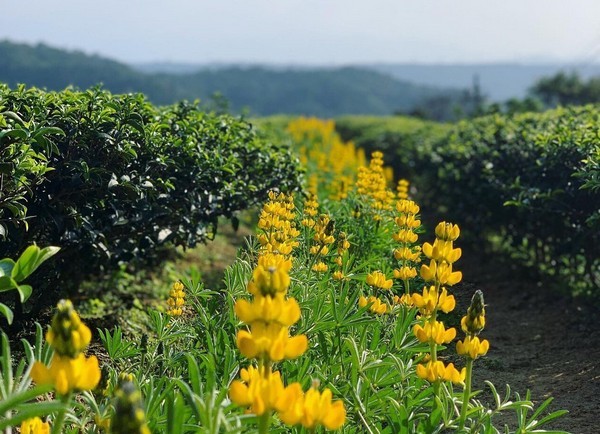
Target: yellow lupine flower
257,390
319,250
431,300
176,299
472,325
67,335
35,426
376,305
441,272
405,206
405,273
442,251
268,309
447,231
435,371
434,332
312,408
337,275
408,254
474,321
271,275
405,236
68,374
271,341
472,347
404,299
320,267
378,280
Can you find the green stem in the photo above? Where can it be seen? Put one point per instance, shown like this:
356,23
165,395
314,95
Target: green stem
466,394
60,417
264,420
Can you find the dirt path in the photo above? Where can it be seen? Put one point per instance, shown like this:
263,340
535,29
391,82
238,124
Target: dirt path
538,341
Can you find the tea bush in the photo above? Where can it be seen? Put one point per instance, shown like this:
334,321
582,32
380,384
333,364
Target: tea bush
531,179
112,179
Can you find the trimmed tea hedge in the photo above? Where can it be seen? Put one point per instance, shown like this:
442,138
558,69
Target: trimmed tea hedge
112,179
532,178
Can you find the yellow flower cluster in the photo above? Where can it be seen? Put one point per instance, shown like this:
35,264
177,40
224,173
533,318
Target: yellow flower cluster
375,304
442,255
333,163
436,371
277,224
176,299
269,315
378,281
472,324
372,184
35,426
342,247
311,208
312,408
408,254
322,238
434,331
402,189
434,298
69,369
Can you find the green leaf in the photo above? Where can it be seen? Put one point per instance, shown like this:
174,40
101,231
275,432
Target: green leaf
6,266
48,130
24,292
7,283
6,312
30,260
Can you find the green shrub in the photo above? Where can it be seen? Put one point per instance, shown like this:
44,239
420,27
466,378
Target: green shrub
532,178
113,179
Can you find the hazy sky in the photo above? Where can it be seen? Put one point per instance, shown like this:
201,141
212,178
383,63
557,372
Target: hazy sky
312,31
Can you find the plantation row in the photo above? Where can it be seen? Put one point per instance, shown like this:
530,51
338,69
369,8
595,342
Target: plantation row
335,317
114,180
531,181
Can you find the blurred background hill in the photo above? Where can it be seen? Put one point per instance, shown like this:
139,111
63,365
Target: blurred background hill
443,92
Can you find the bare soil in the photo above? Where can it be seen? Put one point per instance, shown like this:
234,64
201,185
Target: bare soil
541,341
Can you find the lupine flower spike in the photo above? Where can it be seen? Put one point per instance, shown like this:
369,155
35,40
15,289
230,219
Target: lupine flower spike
69,369
434,298
408,254
268,316
472,347
176,300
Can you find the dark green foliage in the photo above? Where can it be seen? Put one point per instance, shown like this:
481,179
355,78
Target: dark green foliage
406,142
567,89
113,179
530,178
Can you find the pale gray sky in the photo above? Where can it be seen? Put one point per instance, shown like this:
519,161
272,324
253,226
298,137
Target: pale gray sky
312,31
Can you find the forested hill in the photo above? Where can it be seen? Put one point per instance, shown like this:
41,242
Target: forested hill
263,91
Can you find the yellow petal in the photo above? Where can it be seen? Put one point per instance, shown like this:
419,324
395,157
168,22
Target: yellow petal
238,393
336,416
296,346
89,375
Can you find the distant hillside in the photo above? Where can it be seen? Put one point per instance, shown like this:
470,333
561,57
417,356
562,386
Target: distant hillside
498,82
320,92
